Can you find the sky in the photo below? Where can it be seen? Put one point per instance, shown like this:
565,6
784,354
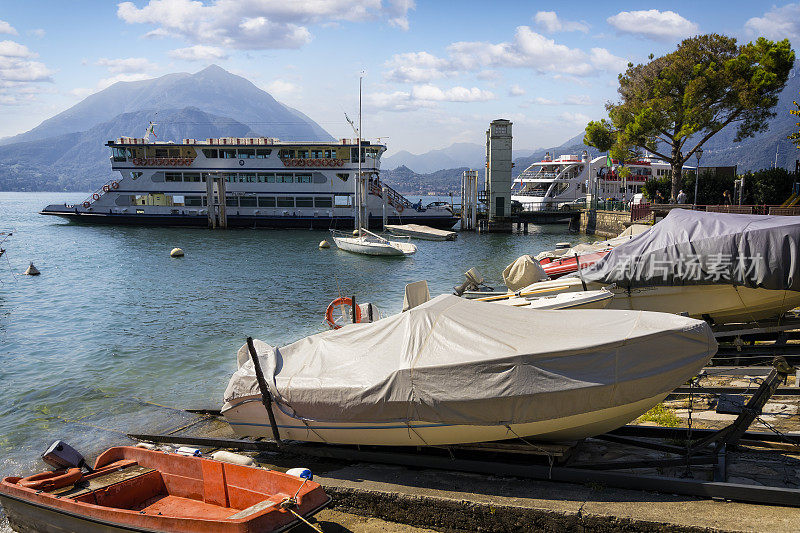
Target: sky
435,72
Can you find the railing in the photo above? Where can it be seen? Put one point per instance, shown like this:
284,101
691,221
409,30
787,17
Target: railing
106,187
640,211
393,197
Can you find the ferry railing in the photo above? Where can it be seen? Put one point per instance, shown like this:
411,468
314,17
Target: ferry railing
106,187
394,198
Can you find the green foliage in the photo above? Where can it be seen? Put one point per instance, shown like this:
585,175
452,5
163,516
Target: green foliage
651,186
796,136
707,83
768,186
600,134
662,416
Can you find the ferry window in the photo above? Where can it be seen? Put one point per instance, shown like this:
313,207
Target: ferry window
177,200
330,154
231,201
174,152
118,154
342,201
248,201
262,178
343,177
286,154
247,177
285,201
191,176
192,201
247,153
323,201
354,154
227,153
583,188
316,154
229,177
136,175
302,178
284,178
262,153
266,201
210,152
304,201
302,154
270,178
172,176
162,152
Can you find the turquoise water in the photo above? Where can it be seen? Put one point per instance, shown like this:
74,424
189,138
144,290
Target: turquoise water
114,325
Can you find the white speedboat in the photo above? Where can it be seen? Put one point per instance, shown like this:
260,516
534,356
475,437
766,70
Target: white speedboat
452,371
368,243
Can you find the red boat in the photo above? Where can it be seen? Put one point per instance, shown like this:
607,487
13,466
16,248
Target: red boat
557,267
134,489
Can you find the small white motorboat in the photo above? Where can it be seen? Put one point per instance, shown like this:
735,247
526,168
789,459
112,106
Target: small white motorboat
597,299
418,231
452,371
368,243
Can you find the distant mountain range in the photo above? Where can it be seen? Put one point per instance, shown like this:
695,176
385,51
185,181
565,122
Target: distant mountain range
67,152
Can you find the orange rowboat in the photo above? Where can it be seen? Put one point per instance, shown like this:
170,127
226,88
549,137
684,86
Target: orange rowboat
134,489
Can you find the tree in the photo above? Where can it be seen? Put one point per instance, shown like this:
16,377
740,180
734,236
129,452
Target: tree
673,104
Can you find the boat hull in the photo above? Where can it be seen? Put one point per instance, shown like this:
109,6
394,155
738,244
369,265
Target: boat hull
349,244
720,302
248,417
240,221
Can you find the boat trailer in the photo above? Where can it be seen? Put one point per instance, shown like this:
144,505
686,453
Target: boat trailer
703,447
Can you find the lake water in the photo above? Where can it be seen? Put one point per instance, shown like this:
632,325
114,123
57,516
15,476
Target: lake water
115,336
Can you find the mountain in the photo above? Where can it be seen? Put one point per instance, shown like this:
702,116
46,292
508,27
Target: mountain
212,90
79,161
68,152
470,155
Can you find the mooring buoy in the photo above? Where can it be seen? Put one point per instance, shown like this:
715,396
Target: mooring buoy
32,271
324,244
176,252
355,233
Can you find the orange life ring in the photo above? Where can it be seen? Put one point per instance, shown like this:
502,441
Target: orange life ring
172,162
115,185
187,162
106,188
301,162
342,300
86,204
95,197
339,162
399,208
51,480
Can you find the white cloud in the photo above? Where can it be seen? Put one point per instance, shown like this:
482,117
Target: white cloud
528,49
544,101
199,52
516,90
605,60
256,24
575,118
424,96
17,71
127,65
282,88
456,94
7,28
653,24
551,23
38,32
578,99
777,23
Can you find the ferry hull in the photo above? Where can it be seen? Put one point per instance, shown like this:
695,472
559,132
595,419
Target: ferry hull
243,221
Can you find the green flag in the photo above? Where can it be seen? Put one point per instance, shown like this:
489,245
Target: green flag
608,160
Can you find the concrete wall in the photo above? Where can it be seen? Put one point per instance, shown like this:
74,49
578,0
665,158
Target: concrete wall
605,223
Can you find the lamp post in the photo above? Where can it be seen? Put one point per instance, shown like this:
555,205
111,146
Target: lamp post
698,154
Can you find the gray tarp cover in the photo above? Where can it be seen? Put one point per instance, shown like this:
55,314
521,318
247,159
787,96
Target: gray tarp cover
691,247
457,361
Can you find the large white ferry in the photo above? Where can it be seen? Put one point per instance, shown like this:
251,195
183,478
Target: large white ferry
549,184
248,182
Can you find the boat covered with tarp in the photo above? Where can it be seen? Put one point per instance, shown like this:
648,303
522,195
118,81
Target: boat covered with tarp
454,370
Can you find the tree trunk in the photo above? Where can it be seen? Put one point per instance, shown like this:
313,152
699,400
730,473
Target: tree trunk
677,173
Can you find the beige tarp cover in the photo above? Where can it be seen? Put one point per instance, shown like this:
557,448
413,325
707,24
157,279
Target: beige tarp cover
522,272
459,361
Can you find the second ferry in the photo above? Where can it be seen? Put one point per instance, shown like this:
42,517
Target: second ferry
248,182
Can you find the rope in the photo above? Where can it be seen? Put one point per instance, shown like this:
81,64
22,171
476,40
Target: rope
550,456
291,502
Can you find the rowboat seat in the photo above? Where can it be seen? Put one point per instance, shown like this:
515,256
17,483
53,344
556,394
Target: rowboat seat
111,474
264,504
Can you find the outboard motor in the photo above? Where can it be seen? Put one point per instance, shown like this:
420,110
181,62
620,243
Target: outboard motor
474,282
61,455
